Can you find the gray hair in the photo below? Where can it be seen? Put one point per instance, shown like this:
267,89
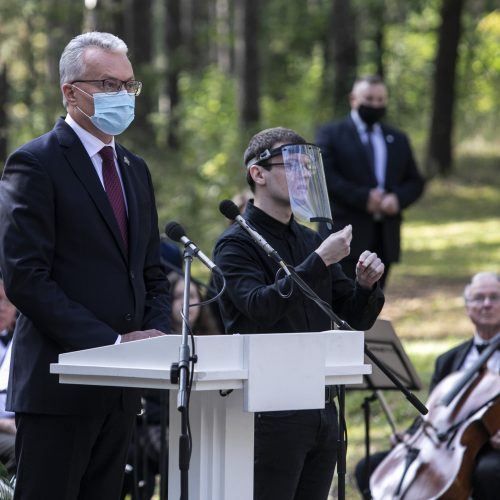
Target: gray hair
72,65
480,277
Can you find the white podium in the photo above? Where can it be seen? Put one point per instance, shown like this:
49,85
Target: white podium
266,372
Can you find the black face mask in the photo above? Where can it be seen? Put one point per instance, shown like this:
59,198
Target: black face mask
371,115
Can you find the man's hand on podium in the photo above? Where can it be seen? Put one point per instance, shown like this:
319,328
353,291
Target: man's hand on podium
139,335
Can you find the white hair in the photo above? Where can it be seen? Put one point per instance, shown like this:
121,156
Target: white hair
72,65
483,276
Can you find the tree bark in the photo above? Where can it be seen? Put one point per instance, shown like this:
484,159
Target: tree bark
4,91
247,61
439,150
173,44
344,52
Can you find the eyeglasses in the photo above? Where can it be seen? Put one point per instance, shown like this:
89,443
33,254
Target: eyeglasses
481,299
295,164
113,85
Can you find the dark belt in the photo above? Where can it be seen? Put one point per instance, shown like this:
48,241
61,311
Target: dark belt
330,393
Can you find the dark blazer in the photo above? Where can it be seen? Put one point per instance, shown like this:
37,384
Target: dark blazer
66,270
350,178
450,362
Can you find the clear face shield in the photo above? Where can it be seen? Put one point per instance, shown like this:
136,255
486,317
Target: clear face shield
306,182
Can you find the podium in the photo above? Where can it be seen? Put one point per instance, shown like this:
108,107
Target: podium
265,372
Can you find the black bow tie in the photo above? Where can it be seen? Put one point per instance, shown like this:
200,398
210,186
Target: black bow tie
5,339
481,347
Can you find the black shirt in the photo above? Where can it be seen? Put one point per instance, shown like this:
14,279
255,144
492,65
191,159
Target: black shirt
251,302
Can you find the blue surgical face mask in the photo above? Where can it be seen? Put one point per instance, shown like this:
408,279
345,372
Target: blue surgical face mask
113,113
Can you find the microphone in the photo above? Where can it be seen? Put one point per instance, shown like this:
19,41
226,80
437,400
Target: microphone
176,233
229,209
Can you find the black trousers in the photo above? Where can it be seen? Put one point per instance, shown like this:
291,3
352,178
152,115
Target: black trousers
295,454
73,457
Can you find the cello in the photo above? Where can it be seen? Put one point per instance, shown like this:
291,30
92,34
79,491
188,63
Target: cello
438,459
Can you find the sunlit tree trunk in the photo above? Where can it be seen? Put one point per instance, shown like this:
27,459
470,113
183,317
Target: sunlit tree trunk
439,150
223,24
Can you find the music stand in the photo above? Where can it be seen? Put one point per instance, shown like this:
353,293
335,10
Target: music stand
383,341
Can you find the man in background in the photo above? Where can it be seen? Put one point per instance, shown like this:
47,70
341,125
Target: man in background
80,256
482,304
7,423
371,175
295,451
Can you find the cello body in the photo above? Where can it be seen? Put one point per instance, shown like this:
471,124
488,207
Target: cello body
437,461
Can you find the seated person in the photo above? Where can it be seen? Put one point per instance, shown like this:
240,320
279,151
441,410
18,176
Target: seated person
482,304
200,317
7,422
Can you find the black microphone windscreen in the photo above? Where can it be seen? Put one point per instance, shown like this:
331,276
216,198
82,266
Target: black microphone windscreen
174,231
229,209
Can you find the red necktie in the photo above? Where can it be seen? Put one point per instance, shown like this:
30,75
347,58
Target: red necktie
114,191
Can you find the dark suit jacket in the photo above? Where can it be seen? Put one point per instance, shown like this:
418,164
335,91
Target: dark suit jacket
450,362
66,270
349,178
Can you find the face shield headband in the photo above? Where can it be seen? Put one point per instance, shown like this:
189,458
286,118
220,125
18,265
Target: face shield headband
305,178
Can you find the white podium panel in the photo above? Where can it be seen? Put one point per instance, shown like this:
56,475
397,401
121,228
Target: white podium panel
266,372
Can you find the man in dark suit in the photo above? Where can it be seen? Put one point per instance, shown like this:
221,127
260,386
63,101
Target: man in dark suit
371,175
482,303
80,257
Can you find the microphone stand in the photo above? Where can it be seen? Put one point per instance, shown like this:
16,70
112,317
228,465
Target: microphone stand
180,375
324,306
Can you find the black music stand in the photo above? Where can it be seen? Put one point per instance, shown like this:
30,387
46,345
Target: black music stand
384,343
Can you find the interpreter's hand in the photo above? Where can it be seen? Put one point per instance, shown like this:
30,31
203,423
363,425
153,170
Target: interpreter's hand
374,200
139,335
389,204
336,246
8,425
369,269
495,440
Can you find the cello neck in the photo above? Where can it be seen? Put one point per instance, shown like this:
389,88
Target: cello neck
470,375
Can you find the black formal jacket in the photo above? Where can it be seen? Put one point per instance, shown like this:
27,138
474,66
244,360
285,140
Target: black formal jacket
252,302
350,178
66,270
450,362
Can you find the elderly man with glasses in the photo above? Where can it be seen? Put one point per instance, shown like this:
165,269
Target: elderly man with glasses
482,304
80,255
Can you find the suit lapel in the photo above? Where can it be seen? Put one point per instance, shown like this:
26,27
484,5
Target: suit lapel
83,168
461,355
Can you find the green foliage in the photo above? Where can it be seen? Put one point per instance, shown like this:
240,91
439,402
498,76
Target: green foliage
479,67
208,167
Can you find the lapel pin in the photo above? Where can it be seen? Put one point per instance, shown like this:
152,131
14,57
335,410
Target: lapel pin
390,138
126,161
